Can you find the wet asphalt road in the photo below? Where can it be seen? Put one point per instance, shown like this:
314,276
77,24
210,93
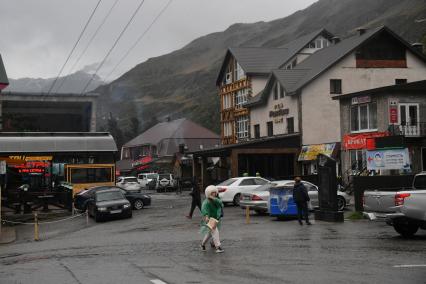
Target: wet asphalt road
159,245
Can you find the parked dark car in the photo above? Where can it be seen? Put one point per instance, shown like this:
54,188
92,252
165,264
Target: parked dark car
109,203
138,200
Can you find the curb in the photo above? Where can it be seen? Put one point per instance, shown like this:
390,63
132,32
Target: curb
8,235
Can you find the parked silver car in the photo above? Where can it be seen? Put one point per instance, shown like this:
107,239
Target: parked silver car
128,183
257,199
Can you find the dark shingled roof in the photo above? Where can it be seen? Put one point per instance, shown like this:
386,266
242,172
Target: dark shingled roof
168,135
294,79
261,60
3,76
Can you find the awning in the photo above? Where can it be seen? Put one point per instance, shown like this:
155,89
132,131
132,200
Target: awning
310,152
56,142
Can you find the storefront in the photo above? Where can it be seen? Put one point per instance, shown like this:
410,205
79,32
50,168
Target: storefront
40,162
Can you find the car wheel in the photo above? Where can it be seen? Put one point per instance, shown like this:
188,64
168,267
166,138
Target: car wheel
236,199
341,203
405,228
138,205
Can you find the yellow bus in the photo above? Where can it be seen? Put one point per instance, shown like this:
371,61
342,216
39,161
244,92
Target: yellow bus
83,176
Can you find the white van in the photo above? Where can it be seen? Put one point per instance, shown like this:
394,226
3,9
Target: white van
145,179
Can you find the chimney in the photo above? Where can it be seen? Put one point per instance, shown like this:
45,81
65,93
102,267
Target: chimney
335,40
361,31
417,46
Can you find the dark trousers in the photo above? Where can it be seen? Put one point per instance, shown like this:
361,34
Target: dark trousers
195,203
302,208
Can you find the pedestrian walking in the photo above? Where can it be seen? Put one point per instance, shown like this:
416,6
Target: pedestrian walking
301,198
211,221
196,198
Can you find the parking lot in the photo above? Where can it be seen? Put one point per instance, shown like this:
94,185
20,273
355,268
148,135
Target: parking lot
159,245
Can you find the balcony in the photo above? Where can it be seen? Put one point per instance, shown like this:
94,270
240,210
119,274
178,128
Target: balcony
409,130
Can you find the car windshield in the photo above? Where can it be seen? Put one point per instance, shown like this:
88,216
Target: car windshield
420,182
228,181
131,179
166,176
152,176
108,195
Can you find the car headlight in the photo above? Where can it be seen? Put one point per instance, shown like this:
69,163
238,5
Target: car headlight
126,205
102,209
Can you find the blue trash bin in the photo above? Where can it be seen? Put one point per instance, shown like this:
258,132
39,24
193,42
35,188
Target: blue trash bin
281,202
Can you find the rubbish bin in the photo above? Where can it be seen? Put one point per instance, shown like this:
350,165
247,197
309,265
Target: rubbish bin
281,202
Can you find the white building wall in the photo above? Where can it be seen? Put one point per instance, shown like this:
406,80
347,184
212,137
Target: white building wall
320,114
258,84
260,115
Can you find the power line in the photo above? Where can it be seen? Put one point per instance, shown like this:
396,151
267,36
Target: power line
115,43
78,40
139,39
88,44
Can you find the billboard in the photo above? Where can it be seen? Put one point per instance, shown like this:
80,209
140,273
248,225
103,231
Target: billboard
395,159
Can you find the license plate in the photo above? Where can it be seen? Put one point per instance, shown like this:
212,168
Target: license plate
115,211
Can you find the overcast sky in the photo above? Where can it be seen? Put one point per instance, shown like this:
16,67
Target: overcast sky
37,36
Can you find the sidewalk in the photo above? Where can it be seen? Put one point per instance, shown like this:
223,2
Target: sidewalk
8,235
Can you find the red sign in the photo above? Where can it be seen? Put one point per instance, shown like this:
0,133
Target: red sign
142,161
393,115
359,141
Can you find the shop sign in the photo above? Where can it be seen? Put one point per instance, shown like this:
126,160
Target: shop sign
142,161
310,152
359,141
31,158
395,159
278,111
361,100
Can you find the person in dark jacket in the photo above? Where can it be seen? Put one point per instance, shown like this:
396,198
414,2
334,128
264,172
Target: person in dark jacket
196,198
301,198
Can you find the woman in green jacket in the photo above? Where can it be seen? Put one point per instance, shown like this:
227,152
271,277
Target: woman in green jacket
211,209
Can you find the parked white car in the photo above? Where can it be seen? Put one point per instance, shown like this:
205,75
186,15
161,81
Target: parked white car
230,190
145,179
166,182
258,198
128,183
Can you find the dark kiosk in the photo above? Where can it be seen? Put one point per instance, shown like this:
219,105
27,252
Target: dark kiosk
327,193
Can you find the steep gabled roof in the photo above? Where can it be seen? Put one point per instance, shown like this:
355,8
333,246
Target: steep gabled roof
3,76
261,60
176,129
295,79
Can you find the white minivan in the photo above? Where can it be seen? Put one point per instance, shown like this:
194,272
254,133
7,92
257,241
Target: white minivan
145,179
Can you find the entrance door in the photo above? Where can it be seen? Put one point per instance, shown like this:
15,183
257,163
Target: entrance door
409,119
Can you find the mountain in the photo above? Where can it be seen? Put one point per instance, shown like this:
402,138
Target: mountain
72,83
182,83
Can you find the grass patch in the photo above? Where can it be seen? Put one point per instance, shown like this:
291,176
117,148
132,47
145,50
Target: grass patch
356,216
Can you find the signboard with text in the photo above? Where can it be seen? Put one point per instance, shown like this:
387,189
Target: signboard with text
310,152
359,141
395,159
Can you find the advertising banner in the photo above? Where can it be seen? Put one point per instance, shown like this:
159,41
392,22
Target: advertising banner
395,159
310,152
359,141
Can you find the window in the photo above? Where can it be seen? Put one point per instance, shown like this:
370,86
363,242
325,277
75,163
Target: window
335,86
270,128
259,181
239,72
290,125
240,98
227,101
257,131
358,160
248,181
227,129
400,81
228,75
281,91
275,91
242,127
88,175
364,117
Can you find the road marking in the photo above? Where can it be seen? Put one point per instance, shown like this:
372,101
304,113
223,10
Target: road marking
157,281
409,265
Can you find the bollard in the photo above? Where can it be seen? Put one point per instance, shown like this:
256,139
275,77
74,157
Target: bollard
247,215
36,238
87,217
